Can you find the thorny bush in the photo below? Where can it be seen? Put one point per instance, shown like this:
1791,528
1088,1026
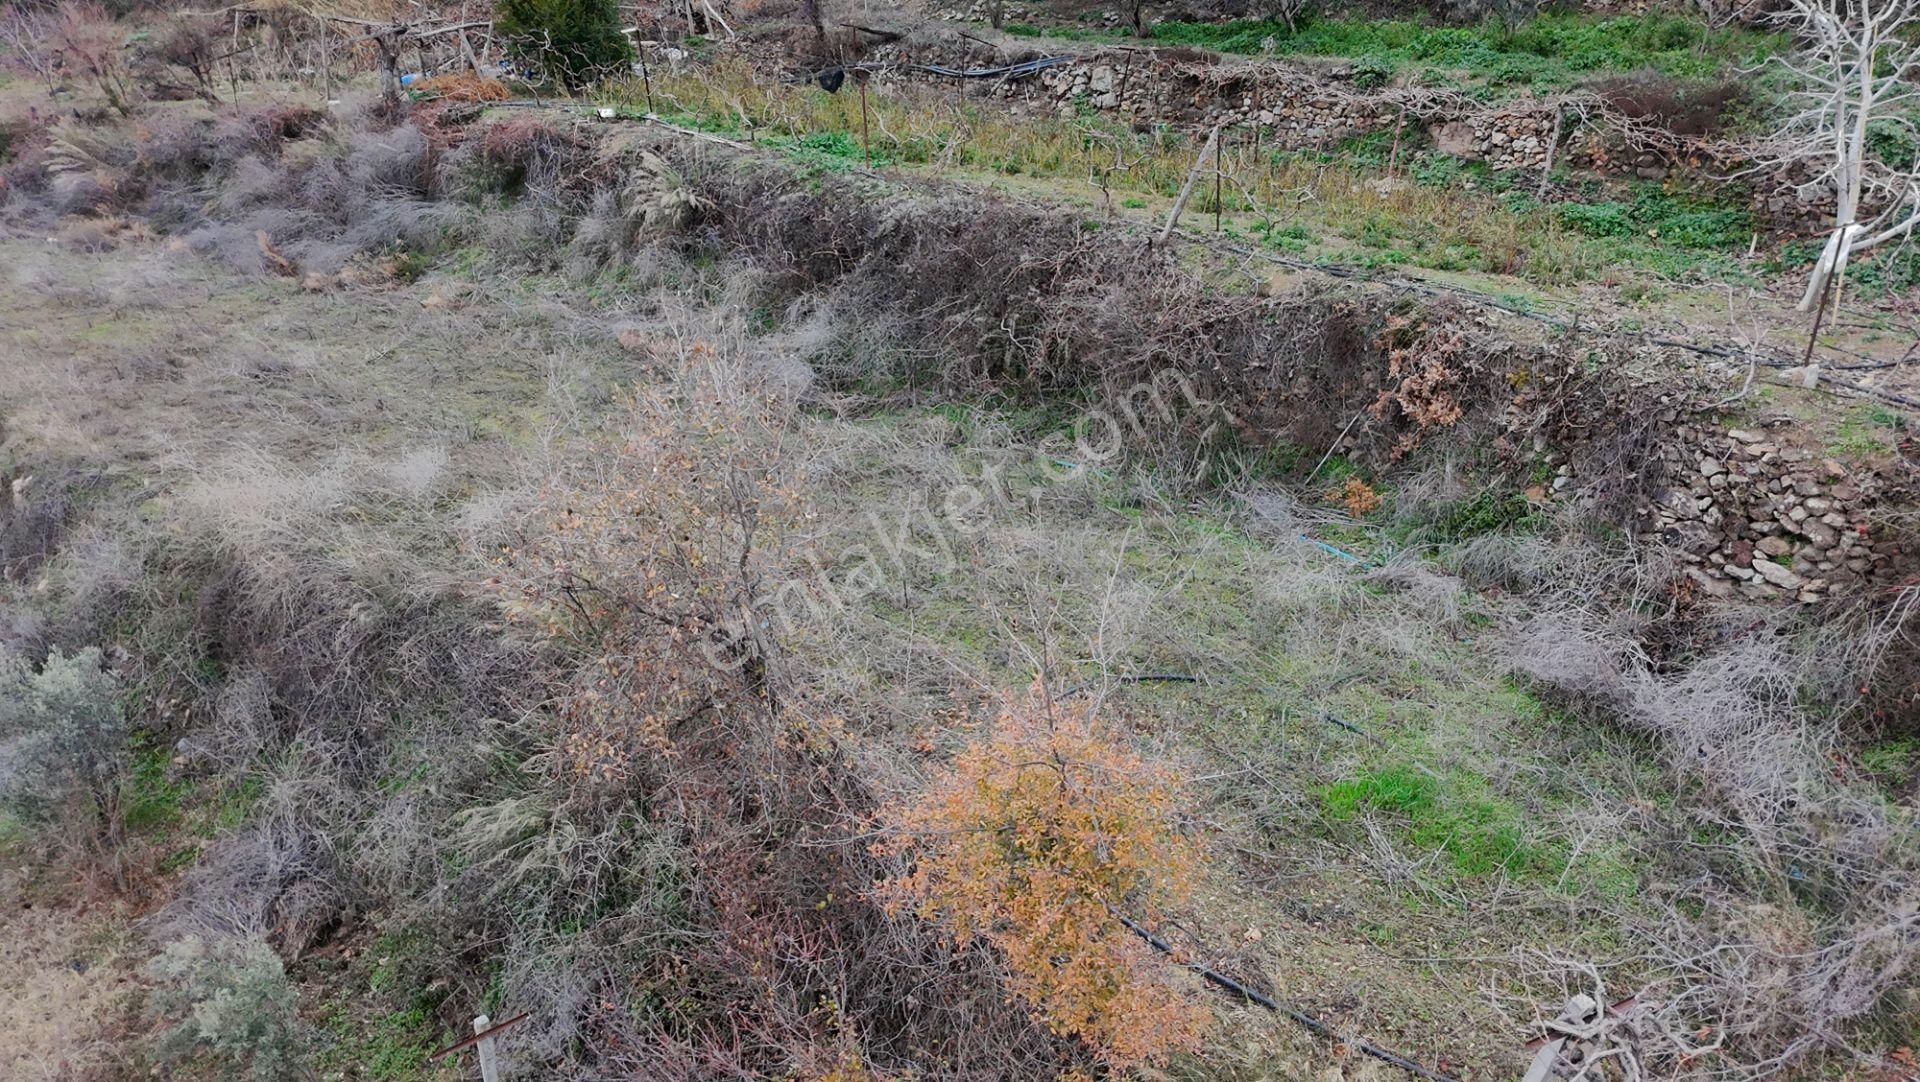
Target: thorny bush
655,574
653,567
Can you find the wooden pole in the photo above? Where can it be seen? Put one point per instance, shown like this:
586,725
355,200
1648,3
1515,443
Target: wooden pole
1553,142
1186,189
646,80
1393,158
233,78
1819,313
865,144
1216,183
466,50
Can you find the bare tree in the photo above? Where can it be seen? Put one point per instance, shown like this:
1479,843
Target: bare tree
1856,68
24,32
1291,12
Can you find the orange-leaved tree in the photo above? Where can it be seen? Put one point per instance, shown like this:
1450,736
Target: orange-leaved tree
1041,835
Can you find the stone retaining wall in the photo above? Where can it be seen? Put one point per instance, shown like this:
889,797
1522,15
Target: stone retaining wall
1757,515
1299,106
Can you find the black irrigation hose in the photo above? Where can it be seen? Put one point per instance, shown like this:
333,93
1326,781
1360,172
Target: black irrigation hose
1315,1025
1352,728
1143,678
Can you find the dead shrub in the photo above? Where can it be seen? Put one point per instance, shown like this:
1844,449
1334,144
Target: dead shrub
1733,721
1428,591
192,48
1428,362
1359,498
463,86
91,169
657,565
23,159
1869,661
102,234
529,154
36,509
90,45
25,30
1684,107
651,200
277,879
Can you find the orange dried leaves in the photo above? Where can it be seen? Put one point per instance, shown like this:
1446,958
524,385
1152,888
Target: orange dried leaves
1038,835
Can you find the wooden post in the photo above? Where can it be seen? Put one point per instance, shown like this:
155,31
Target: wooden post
233,77
1393,158
865,145
489,1056
1186,189
1819,313
1553,142
645,79
466,50
1217,169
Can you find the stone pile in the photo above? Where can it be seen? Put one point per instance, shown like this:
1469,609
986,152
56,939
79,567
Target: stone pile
1296,109
1509,140
1771,521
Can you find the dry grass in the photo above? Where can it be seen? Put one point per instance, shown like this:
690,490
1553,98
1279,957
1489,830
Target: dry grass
1818,936
1111,162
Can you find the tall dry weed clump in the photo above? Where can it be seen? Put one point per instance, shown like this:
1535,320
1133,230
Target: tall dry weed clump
653,565
1823,924
1039,837
689,787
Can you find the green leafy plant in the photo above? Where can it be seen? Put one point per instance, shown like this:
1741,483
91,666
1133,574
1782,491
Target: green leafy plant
1596,219
1479,832
230,1002
63,741
575,41
1552,50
